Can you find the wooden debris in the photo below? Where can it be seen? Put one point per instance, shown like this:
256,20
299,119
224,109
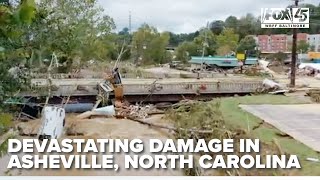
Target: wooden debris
313,159
314,95
97,104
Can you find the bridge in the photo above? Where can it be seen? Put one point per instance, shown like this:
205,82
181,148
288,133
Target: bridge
154,90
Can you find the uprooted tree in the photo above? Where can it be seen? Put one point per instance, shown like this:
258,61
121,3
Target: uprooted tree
205,120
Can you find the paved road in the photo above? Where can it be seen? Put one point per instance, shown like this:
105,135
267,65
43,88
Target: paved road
302,122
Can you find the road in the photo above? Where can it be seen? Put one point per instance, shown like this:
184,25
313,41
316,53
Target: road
301,122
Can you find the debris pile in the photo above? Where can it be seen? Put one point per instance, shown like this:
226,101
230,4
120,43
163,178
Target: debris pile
197,117
254,70
205,120
123,112
314,94
272,87
134,111
30,128
309,69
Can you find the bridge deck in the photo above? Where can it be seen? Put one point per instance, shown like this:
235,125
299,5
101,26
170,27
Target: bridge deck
147,86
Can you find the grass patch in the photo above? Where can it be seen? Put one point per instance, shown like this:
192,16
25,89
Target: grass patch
234,116
5,122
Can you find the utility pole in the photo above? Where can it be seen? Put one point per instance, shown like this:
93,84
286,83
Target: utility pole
205,43
129,22
294,52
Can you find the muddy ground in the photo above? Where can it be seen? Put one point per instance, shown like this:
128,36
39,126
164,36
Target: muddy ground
97,128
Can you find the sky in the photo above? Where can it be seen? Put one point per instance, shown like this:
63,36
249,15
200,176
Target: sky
184,16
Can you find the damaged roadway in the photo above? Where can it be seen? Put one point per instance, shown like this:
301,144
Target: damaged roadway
301,122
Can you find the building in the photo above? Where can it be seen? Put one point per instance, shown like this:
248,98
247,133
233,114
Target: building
283,43
314,41
278,43
272,43
302,37
264,43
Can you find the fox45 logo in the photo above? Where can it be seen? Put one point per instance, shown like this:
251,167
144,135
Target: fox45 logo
285,18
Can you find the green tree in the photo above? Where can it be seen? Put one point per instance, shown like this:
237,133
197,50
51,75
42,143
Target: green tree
124,31
71,29
14,20
217,27
149,46
227,42
176,39
303,47
187,49
248,45
207,39
232,22
247,25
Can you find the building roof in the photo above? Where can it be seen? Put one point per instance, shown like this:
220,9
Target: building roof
200,59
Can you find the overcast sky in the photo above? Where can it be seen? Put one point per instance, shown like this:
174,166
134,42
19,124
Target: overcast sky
183,16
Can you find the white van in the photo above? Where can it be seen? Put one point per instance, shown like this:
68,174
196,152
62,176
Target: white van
53,122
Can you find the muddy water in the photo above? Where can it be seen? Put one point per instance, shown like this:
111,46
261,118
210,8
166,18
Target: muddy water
99,128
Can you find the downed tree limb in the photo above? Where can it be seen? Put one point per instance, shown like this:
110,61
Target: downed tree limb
167,127
88,114
96,105
184,103
155,112
27,115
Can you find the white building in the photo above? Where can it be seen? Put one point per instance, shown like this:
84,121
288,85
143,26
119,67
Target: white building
314,40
